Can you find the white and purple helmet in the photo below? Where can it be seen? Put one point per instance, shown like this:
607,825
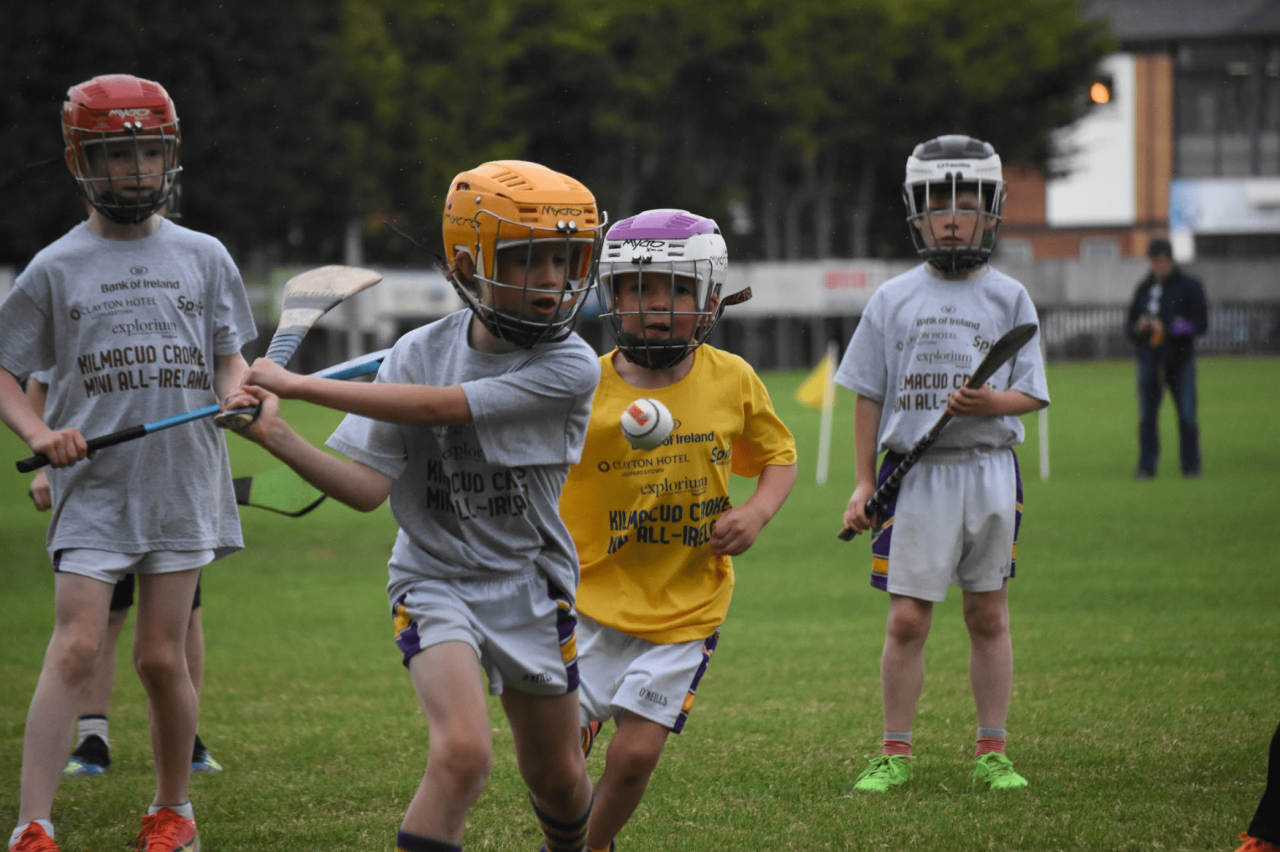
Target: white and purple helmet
675,243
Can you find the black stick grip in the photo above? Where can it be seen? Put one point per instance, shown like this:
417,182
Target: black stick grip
39,460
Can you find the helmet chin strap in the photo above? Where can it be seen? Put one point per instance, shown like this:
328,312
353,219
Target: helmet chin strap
953,261
122,213
522,332
653,354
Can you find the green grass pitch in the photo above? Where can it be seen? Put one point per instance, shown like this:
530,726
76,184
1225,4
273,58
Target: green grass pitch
1146,632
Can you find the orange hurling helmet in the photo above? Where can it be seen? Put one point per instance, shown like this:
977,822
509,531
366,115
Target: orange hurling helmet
510,216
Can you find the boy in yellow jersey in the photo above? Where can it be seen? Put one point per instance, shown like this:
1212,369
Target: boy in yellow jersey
655,530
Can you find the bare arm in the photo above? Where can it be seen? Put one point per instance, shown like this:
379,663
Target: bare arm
357,485
866,429
228,373
63,447
737,529
415,405
37,395
968,402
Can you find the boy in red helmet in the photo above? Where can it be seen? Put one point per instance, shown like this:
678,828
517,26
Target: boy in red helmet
118,309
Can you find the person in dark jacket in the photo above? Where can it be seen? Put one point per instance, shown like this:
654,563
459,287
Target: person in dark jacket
1167,312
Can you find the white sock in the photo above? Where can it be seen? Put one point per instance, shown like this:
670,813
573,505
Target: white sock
88,726
184,810
17,832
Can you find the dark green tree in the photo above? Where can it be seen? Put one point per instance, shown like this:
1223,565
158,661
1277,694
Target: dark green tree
788,123
258,88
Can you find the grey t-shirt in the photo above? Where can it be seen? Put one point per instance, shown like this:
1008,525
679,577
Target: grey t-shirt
130,330
479,500
920,338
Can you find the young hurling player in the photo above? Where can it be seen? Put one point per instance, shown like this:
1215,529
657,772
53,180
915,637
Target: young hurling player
955,521
142,318
469,431
92,754
1264,829
655,530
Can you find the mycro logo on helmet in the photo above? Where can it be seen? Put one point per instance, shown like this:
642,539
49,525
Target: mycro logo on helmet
645,243
459,220
547,209
136,112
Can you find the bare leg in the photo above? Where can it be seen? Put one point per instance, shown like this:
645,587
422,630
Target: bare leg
159,643
195,650
986,615
79,632
633,755
97,692
549,751
450,689
902,663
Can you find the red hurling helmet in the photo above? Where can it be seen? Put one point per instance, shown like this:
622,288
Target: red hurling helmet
115,118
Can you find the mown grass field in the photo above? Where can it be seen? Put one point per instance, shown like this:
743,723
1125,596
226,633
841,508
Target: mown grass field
1146,624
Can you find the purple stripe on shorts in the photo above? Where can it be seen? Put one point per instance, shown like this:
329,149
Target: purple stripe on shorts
566,631
708,648
407,639
1017,521
882,538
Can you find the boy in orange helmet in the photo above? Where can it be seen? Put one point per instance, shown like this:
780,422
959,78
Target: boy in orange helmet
469,431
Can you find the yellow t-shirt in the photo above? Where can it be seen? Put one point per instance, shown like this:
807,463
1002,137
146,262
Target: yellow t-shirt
642,519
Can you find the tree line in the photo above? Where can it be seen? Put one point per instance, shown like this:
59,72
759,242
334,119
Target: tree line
789,123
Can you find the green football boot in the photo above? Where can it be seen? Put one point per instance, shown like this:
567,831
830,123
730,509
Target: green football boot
883,772
997,773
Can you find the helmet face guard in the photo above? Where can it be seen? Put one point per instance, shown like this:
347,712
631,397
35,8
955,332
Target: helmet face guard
533,236
122,138
954,193
660,279
512,300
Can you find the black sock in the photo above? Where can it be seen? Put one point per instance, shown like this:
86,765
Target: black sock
562,836
406,842
93,750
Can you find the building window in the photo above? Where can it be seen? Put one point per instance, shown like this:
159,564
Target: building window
1227,109
1099,248
1014,250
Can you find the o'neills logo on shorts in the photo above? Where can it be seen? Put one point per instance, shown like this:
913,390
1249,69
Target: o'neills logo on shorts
653,697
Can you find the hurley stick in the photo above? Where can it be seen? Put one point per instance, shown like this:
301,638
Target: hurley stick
307,297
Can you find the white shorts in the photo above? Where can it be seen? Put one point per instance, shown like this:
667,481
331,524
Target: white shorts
522,628
110,567
955,522
621,672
